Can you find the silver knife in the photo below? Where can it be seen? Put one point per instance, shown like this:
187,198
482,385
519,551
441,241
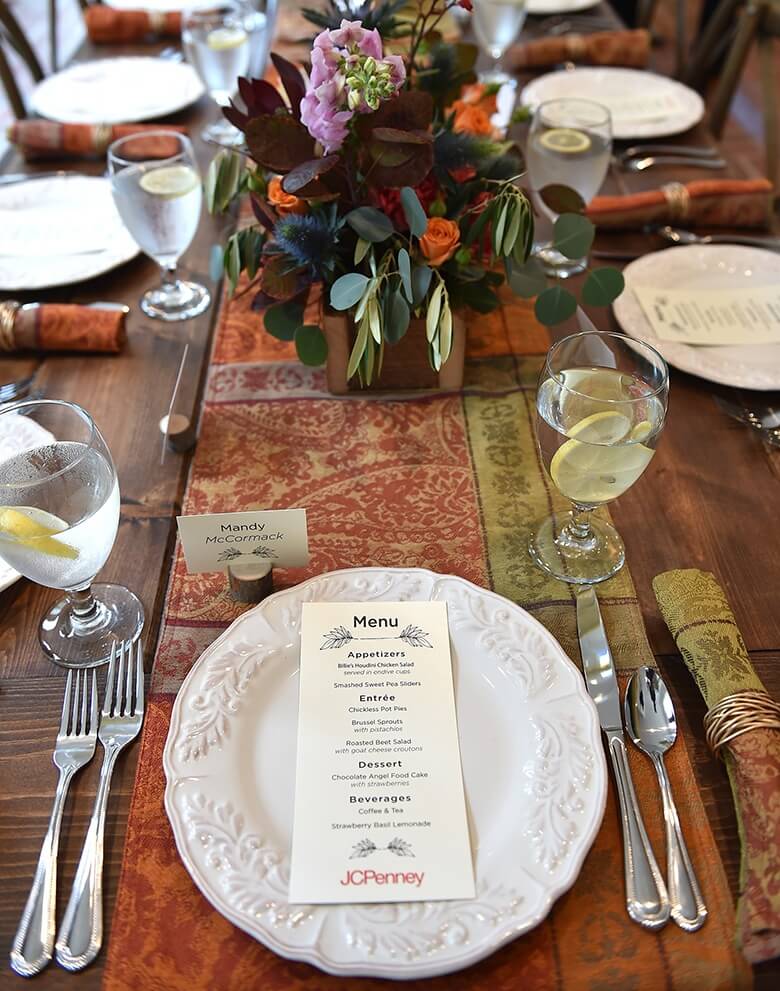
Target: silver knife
646,898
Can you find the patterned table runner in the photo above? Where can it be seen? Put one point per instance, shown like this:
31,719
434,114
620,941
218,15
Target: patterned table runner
447,482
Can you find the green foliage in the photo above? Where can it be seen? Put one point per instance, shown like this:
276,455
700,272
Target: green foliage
370,224
573,235
283,319
243,252
554,306
223,180
413,211
373,15
311,345
347,290
602,286
447,69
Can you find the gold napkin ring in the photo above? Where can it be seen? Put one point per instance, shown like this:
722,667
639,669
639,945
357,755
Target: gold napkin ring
678,199
8,310
101,137
737,714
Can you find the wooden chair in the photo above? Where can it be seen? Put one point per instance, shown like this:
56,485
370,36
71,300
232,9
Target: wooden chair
644,17
12,36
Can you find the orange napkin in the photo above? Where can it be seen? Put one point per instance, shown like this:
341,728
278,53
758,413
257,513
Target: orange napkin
703,203
106,26
48,139
626,48
65,327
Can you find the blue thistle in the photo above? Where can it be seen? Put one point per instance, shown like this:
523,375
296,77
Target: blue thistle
307,239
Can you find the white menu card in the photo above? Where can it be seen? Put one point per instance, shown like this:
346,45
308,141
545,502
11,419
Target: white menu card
713,316
380,814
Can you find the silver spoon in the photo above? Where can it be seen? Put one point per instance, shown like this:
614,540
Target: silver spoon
651,723
678,236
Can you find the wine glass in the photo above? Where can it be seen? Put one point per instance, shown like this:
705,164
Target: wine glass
59,512
600,410
156,186
217,41
569,144
496,24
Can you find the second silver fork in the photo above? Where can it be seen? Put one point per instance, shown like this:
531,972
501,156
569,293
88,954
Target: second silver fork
34,941
81,933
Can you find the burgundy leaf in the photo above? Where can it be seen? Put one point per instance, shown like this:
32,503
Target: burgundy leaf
278,142
293,83
278,279
260,96
234,115
298,179
394,135
411,110
263,212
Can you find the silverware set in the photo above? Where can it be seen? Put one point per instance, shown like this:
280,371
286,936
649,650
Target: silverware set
639,158
677,235
652,726
80,934
764,419
10,391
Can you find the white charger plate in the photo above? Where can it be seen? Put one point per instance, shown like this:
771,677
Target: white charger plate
17,434
544,8
46,229
613,88
120,90
533,766
705,266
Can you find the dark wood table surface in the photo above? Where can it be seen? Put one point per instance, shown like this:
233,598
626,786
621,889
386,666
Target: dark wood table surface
708,500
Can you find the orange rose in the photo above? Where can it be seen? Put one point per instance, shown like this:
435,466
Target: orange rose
439,241
477,93
471,118
284,202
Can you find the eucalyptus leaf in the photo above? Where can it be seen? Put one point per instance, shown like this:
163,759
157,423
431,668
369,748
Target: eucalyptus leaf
405,271
216,262
361,249
413,211
311,345
283,320
421,280
562,199
434,311
528,280
368,293
347,290
370,224
396,317
358,348
554,306
602,286
573,235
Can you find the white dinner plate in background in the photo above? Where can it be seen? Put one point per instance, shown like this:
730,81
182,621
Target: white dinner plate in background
642,104
702,267
163,5
17,434
544,8
533,769
59,230
117,91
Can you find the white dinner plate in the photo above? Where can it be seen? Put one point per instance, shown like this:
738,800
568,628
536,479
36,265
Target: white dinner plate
117,91
59,230
705,266
544,8
642,104
533,768
17,434
163,5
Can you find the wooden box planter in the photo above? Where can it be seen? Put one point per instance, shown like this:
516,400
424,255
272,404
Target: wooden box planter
405,364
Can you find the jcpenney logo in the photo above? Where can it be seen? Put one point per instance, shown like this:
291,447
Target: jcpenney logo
360,878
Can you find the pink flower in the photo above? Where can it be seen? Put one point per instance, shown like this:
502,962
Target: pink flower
398,73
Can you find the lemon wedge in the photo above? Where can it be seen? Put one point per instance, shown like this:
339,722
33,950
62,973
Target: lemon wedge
641,431
565,140
170,181
34,535
593,466
222,39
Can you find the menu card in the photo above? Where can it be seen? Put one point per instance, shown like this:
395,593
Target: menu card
713,316
380,814
640,108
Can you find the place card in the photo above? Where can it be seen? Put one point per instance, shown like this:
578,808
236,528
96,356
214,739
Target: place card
380,813
217,541
713,316
637,109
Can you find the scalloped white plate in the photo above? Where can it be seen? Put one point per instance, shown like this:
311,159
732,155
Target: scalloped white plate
702,267
533,768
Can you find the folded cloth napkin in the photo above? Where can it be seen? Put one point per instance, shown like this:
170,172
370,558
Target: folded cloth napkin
37,139
626,48
60,327
703,203
698,615
106,26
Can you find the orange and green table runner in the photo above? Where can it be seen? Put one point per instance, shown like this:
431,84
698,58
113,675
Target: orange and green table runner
447,482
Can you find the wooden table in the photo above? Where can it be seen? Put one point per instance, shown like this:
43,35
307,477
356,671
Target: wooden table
709,500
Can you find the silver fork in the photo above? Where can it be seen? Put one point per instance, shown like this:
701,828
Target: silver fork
34,941
81,933
16,390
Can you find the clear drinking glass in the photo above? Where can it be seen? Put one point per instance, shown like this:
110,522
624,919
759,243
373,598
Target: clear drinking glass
600,410
569,144
217,41
59,512
156,186
496,24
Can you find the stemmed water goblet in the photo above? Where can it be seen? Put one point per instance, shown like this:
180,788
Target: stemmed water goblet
156,186
59,512
600,409
496,24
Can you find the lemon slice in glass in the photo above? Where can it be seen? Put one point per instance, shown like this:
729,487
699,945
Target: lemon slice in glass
221,39
641,431
593,466
35,535
170,181
565,140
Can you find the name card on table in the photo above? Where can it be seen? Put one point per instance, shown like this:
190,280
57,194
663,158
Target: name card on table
380,814
713,316
216,541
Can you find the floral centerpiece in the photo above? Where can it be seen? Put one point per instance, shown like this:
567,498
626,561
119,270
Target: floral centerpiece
382,190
